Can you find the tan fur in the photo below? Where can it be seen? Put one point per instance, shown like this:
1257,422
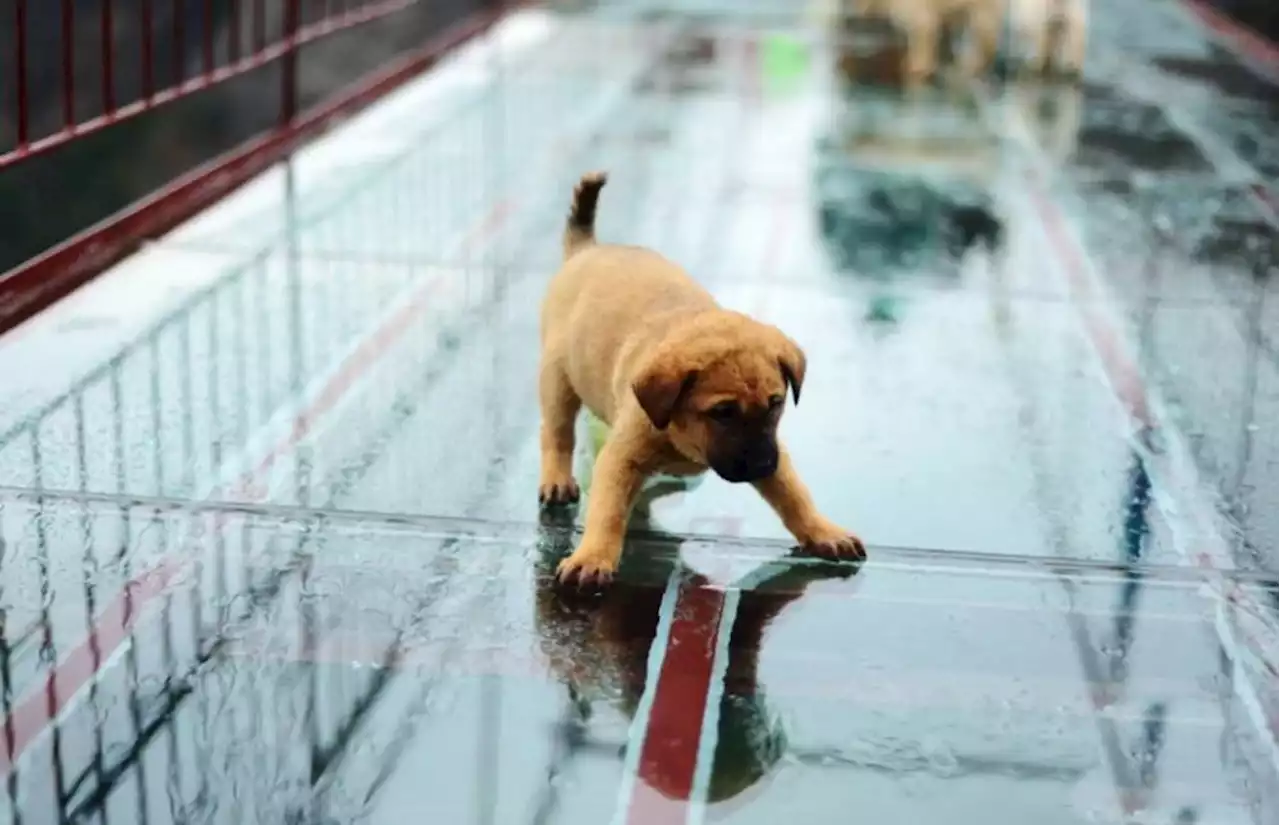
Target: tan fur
629,334
1055,31
923,21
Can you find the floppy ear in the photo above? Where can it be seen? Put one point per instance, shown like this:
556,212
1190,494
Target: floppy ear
661,388
792,361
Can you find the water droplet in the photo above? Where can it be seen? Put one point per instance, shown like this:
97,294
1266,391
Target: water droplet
942,759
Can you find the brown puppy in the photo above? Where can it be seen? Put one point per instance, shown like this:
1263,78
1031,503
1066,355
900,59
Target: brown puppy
1054,31
683,384
923,22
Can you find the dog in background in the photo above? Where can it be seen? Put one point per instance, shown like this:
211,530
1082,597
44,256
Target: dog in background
1054,33
924,23
683,384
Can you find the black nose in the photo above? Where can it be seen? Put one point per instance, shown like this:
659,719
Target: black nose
758,466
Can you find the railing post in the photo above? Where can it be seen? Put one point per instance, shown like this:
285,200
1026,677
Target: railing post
148,49
20,71
68,65
106,26
289,65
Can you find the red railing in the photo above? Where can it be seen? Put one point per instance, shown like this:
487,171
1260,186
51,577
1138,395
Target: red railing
169,53
252,33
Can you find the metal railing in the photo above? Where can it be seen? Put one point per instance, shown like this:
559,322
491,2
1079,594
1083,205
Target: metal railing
149,53
74,70
123,418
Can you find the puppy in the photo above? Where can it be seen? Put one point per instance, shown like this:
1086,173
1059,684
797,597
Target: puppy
1054,31
683,384
924,22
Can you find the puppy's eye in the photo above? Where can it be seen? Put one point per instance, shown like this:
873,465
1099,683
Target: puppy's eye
776,401
723,411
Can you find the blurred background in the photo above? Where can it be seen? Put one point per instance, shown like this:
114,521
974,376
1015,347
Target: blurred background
267,439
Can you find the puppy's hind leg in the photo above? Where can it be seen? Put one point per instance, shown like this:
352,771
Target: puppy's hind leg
790,499
985,24
560,406
922,28
1075,30
1039,54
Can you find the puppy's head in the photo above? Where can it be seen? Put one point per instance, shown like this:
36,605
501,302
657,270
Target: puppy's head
717,387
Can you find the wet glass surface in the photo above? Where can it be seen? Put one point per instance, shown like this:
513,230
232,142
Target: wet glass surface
288,565
299,666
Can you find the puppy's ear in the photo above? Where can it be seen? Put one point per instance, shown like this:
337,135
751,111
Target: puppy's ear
792,362
660,389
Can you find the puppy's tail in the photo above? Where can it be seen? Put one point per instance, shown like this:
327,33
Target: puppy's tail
580,227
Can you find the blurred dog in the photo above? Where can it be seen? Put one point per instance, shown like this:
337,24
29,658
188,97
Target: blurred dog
924,22
1053,31
683,384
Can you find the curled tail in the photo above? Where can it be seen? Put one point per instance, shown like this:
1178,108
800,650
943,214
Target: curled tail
580,227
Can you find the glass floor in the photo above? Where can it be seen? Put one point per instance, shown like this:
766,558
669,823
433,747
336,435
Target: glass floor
270,548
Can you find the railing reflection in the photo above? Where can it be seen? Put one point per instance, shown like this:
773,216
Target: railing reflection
166,718
1106,654
186,410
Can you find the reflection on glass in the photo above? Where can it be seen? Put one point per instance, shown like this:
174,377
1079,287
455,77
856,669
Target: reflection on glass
600,646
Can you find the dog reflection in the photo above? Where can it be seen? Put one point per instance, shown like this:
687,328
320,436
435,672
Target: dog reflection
1047,114
907,185
599,647
929,29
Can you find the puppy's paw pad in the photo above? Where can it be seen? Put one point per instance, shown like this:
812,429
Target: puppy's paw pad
586,571
558,493
846,546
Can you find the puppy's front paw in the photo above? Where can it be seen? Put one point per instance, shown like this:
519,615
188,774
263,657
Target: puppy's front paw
588,566
830,541
554,492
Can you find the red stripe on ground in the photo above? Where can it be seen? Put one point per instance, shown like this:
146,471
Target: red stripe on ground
1120,369
252,485
1249,43
669,750
671,740
1122,373
33,714
1267,197
1255,49
364,357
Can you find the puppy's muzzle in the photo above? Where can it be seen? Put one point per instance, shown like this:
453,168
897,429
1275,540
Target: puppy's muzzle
749,466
